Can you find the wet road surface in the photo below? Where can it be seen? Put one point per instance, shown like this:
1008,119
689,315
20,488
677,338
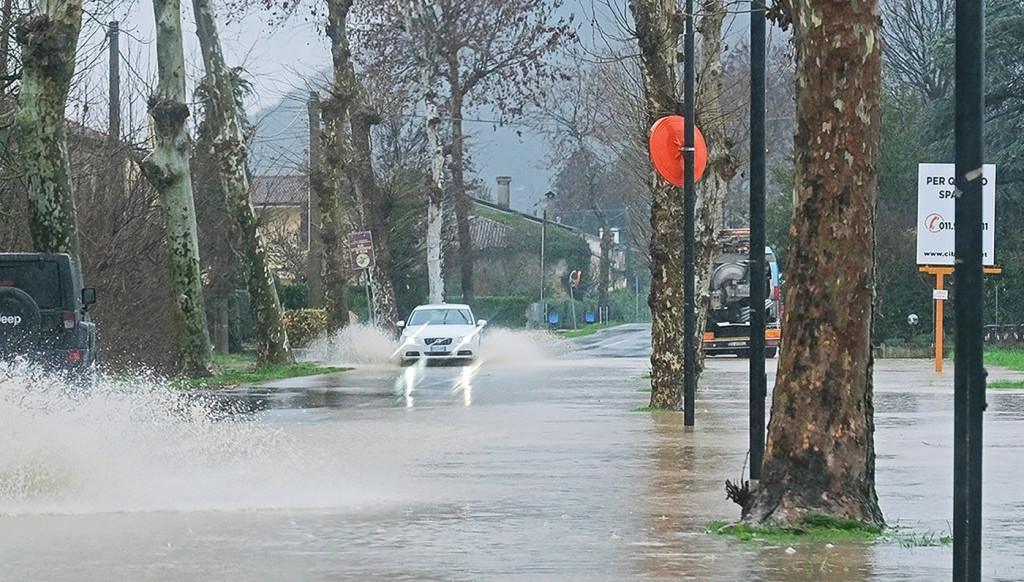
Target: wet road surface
532,466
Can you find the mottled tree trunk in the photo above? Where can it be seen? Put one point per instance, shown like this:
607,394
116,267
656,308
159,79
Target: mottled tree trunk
463,205
713,187
657,31
167,169
435,192
420,22
48,38
375,211
329,181
229,150
820,455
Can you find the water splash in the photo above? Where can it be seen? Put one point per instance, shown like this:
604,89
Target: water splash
354,344
364,344
500,345
135,444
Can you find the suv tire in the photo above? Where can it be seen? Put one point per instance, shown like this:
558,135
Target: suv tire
20,324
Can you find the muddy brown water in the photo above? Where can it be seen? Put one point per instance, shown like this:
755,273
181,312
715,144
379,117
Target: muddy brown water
531,466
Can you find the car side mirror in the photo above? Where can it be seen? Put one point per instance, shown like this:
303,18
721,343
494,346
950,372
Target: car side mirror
481,322
401,323
88,296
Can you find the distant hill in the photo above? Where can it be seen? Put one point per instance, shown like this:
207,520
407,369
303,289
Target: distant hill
281,147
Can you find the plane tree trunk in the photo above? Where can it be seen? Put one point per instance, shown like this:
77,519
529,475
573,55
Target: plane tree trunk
463,205
820,455
657,32
329,179
231,155
48,38
721,168
167,169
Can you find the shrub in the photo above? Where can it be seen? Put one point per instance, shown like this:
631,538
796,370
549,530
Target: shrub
304,325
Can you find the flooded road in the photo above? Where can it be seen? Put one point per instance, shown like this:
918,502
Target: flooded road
531,466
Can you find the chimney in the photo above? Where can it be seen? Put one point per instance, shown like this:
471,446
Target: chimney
615,235
503,190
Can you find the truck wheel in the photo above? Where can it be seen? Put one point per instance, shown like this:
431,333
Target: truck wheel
19,319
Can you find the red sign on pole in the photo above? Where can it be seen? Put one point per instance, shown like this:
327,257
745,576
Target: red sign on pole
360,245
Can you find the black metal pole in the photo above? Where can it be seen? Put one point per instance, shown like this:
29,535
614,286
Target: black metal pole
689,207
969,372
758,293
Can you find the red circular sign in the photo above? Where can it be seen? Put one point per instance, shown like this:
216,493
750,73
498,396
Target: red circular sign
667,139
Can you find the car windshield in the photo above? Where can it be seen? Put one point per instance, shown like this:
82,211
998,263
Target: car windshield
441,316
40,279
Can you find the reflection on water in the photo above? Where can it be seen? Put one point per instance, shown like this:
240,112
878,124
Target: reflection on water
420,376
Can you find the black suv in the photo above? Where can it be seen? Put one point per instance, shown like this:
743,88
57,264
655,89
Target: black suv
44,312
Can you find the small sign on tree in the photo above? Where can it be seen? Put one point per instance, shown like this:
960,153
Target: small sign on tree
360,246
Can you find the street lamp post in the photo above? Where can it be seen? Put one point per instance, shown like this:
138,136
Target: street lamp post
543,234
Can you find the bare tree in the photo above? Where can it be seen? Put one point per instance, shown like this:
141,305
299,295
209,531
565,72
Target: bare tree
820,455
167,169
229,149
576,122
493,52
913,31
421,23
48,37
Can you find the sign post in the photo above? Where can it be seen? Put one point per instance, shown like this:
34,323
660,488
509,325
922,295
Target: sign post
936,231
360,248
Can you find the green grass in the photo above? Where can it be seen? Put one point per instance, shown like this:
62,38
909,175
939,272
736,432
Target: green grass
924,540
813,528
1010,359
825,529
652,409
588,329
1006,358
235,369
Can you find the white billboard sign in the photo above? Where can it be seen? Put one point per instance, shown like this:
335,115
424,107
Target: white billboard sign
936,210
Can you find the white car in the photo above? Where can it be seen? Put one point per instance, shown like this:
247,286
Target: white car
442,332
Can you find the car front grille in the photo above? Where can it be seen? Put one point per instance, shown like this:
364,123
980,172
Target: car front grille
438,341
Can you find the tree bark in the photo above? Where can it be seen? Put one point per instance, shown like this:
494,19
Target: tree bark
419,22
167,169
657,33
329,181
48,38
820,455
375,211
721,168
230,152
463,205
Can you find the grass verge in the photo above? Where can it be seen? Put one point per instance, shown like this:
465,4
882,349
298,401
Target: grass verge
813,528
588,329
1006,358
825,529
238,369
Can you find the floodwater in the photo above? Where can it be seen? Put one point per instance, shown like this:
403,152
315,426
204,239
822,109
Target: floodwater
532,465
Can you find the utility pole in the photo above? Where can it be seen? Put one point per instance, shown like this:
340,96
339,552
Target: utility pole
969,371
689,206
548,196
758,378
